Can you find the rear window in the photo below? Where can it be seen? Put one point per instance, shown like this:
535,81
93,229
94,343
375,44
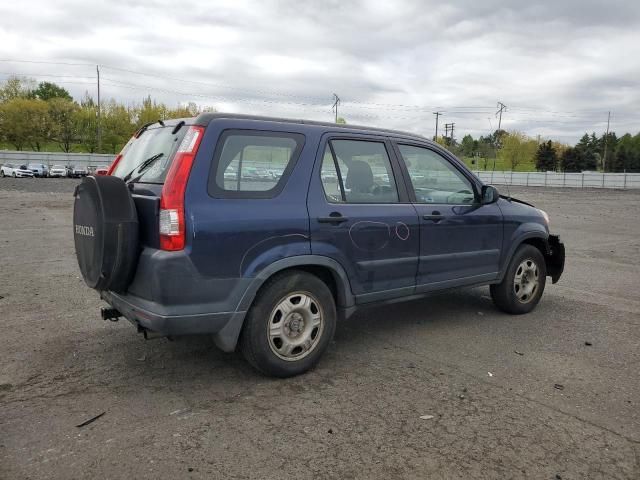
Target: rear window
154,141
253,163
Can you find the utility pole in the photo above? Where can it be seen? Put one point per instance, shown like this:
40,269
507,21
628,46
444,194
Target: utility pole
334,107
606,139
447,127
437,114
99,129
501,107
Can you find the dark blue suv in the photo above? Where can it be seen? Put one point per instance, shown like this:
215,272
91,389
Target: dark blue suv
265,231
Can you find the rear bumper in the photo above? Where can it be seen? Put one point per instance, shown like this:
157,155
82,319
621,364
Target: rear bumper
555,258
152,317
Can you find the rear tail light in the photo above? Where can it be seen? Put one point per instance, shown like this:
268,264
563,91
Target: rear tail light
113,166
172,220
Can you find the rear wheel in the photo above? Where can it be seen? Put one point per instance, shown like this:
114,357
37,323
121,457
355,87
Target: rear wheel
2,173
289,325
523,283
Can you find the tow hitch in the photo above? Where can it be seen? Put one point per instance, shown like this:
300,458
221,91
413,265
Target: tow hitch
110,314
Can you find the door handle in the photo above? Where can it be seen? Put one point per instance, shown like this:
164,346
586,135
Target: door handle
335,218
435,216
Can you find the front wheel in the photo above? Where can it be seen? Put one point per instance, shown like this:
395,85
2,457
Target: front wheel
523,283
289,325
2,173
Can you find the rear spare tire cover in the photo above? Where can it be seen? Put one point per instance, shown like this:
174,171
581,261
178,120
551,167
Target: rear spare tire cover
105,232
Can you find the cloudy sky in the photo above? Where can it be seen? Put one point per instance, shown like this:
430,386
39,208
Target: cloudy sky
558,66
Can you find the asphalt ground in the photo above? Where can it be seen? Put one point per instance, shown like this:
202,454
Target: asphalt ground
552,394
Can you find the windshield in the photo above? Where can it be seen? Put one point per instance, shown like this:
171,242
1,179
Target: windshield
153,141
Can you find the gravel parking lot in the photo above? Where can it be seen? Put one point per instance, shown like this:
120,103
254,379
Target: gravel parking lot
552,394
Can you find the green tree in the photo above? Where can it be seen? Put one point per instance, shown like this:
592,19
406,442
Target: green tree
117,127
25,122
546,157
16,87
468,146
64,127
48,90
517,149
149,111
586,149
86,124
571,160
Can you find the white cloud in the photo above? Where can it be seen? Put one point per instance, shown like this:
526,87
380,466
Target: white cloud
559,66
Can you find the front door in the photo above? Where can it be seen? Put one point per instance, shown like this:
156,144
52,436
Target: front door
360,216
460,238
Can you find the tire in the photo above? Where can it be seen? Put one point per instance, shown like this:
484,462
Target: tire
2,173
14,175
523,283
105,232
278,336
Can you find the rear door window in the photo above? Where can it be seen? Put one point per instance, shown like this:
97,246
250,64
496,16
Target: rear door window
356,171
252,163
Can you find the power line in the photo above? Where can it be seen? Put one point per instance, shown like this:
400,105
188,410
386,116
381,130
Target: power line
47,63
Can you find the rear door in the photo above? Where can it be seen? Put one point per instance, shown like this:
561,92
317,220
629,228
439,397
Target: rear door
460,239
360,216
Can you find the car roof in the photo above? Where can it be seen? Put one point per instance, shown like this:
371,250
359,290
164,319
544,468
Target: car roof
204,119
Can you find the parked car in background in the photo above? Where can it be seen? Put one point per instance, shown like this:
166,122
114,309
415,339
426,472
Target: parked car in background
78,171
101,171
15,171
58,171
39,169
272,264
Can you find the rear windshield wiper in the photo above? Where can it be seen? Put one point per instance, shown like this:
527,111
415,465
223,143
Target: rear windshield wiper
141,168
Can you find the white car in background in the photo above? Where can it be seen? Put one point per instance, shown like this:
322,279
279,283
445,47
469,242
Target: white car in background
58,171
79,171
39,169
15,171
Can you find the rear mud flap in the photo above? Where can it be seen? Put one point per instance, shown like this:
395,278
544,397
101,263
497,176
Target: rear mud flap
555,258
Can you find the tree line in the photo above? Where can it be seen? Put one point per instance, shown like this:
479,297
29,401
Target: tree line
44,115
608,152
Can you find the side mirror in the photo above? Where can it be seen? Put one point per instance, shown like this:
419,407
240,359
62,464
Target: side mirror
489,194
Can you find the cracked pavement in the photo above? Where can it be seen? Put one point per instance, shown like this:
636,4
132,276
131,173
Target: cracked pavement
185,409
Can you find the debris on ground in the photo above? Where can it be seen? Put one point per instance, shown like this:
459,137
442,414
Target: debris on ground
461,397
91,420
490,374
330,430
518,353
588,344
426,417
480,313
558,386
